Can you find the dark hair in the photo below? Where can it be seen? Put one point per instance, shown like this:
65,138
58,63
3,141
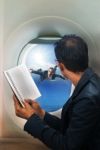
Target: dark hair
72,51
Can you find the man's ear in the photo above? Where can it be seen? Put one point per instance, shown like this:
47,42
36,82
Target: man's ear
61,66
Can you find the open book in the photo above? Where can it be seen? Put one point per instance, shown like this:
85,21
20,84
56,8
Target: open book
22,83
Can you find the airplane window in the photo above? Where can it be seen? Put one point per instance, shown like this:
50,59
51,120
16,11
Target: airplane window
54,88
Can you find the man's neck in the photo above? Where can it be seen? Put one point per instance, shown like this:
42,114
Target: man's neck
75,77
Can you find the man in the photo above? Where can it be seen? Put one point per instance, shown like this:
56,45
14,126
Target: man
49,74
79,126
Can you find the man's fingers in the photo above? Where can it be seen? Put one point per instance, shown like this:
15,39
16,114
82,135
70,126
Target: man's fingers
14,97
29,101
16,104
27,104
15,100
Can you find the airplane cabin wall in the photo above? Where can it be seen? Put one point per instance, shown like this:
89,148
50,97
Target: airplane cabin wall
20,15
1,64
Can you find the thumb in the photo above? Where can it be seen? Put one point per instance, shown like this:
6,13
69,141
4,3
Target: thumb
29,101
27,105
36,105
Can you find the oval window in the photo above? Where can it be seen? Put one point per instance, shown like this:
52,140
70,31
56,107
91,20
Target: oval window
38,55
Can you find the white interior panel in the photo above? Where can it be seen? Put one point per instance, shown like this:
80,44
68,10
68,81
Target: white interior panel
24,20
1,64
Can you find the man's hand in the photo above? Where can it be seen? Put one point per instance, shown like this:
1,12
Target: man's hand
38,110
23,112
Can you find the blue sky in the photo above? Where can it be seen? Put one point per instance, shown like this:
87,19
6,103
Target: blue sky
54,92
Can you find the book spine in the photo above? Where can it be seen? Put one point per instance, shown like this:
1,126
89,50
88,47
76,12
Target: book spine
18,94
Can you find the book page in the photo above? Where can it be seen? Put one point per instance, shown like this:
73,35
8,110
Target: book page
22,83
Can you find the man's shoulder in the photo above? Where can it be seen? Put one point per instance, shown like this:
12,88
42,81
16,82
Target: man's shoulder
92,88
94,82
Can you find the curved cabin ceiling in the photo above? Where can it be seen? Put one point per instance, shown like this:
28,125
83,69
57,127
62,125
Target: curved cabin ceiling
85,14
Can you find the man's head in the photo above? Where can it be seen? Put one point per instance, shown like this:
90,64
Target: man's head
72,51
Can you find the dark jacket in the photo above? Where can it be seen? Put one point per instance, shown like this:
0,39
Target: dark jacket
79,126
